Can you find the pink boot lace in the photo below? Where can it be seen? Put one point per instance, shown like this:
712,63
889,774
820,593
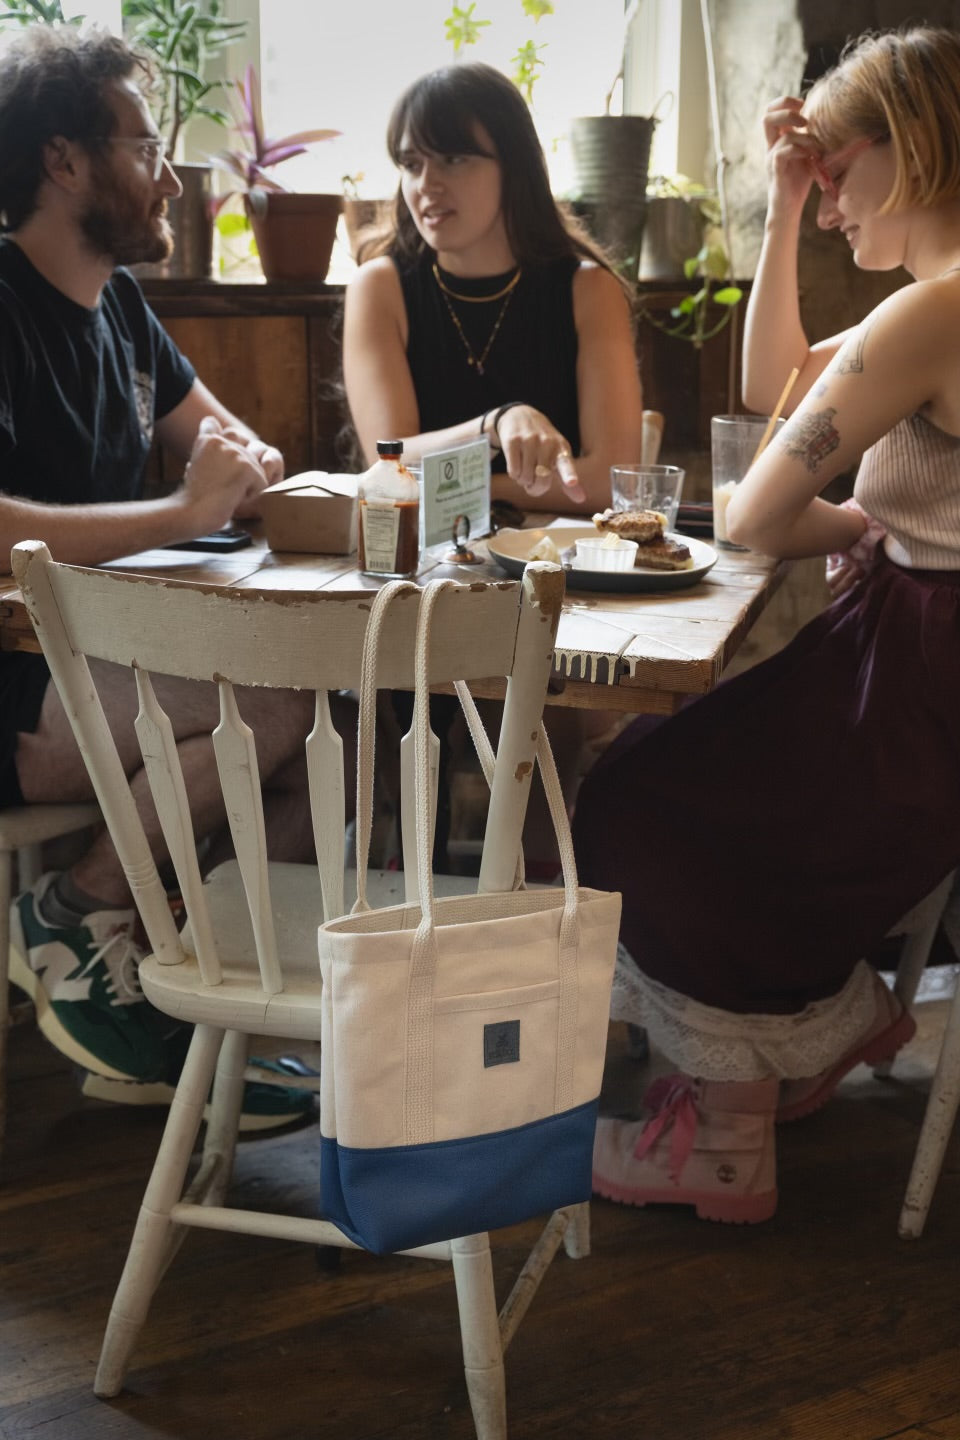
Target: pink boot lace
670,1101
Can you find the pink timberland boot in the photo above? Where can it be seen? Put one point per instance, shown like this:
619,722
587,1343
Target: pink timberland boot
891,1028
707,1143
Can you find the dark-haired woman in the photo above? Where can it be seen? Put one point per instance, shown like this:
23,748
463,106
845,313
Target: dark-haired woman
485,311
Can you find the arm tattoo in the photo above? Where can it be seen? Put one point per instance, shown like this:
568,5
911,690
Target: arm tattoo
850,359
812,438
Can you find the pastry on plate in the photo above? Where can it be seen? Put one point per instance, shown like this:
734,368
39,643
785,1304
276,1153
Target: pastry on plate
663,554
655,551
639,525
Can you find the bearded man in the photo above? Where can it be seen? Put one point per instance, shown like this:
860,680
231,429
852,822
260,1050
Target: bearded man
88,378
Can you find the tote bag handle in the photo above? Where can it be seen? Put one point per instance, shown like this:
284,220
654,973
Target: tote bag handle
418,1102
366,741
366,730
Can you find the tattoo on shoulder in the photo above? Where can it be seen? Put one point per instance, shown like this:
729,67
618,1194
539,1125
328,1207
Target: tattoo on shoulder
812,438
850,359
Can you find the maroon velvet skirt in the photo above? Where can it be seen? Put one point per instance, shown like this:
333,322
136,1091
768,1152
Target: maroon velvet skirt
768,836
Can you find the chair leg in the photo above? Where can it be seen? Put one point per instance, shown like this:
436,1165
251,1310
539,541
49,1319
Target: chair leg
576,1238
937,1125
6,885
226,1104
149,1252
29,866
913,959
480,1335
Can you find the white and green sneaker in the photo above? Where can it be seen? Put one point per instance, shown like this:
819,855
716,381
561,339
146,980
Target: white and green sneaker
266,1107
83,982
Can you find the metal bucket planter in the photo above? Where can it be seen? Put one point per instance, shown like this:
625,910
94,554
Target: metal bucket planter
294,233
611,159
672,233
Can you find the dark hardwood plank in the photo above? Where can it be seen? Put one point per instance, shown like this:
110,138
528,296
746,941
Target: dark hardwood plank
820,1325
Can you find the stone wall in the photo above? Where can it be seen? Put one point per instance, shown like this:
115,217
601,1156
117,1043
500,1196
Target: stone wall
766,48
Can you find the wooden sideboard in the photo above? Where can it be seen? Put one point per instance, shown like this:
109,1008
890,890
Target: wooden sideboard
271,352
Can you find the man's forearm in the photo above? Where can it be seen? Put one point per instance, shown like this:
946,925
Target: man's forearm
90,534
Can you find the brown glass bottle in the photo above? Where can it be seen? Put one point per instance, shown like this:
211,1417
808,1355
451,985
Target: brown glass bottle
388,533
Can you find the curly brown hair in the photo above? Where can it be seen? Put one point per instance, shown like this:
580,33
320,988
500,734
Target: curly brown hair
53,83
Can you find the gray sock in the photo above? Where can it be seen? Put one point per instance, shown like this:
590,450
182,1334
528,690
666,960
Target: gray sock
64,904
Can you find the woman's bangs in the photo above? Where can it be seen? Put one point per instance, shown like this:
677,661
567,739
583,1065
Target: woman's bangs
435,124
826,117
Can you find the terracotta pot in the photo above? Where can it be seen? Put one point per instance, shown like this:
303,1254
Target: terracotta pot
294,233
363,218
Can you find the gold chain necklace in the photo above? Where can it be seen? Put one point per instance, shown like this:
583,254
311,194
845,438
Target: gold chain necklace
477,361
476,299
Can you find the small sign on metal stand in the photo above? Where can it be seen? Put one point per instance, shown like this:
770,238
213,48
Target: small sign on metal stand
460,554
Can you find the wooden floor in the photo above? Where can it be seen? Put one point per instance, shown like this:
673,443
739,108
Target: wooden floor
820,1325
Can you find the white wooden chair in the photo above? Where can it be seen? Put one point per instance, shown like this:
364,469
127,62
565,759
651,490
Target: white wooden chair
247,961
23,830
919,927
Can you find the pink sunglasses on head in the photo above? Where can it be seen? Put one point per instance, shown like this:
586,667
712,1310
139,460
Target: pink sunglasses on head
825,167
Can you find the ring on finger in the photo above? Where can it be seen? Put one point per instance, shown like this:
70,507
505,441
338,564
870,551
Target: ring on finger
540,471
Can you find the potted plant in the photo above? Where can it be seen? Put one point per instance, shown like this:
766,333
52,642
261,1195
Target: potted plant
695,319
611,160
294,231
181,41
679,213
363,217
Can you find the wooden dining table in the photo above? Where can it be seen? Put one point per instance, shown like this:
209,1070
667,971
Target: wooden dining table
641,652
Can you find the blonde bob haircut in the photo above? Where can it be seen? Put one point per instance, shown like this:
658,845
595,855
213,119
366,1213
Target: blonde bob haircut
902,86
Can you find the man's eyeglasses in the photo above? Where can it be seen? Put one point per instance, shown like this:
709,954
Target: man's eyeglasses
151,148
828,169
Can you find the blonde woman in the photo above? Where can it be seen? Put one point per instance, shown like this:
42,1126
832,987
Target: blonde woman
767,838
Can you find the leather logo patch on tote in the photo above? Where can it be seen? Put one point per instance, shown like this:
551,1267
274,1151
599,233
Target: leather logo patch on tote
501,1043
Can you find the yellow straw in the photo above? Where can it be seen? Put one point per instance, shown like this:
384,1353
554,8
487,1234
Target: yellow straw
776,415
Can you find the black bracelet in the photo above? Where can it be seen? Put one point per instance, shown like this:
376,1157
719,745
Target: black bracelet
499,416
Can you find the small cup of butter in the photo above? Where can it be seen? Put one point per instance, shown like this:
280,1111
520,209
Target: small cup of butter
608,553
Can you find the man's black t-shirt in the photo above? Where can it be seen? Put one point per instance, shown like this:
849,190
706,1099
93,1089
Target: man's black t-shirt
80,391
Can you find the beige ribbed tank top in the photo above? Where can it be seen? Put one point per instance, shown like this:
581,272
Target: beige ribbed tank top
910,482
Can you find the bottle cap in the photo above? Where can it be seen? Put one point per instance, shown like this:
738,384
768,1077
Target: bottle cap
390,448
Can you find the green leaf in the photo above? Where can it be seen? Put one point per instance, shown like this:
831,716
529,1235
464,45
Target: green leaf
691,266
536,9
462,29
686,306
715,262
526,62
729,295
230,225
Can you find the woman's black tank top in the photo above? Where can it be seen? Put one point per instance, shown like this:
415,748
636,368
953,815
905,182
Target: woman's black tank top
533,356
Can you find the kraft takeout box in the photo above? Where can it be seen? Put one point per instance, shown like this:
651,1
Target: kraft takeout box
313,512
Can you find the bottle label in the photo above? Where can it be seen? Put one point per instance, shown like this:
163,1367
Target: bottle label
381,527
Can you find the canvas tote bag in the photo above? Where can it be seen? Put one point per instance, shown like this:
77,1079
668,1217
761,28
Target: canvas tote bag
462,1039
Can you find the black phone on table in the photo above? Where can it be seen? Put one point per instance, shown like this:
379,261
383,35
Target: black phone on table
230,538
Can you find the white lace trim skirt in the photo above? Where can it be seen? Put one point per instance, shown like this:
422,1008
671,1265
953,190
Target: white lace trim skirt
719,1045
